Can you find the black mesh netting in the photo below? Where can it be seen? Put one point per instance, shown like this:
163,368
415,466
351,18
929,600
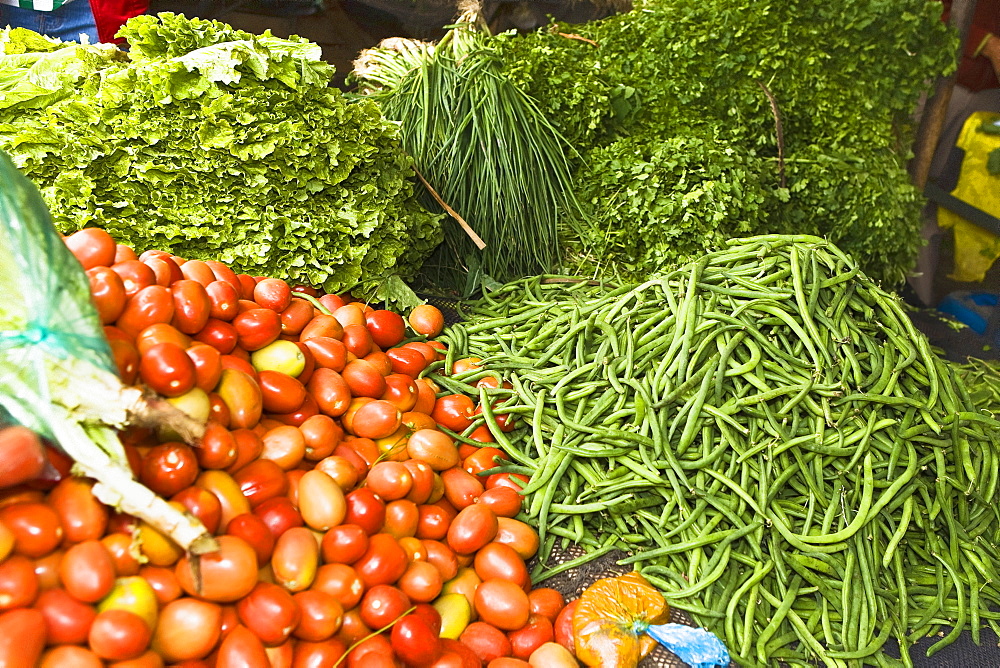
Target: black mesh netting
571,584
963,653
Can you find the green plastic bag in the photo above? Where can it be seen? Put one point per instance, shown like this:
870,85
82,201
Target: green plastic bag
57,374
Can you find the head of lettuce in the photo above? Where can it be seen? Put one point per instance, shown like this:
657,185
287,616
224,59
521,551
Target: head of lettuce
213,143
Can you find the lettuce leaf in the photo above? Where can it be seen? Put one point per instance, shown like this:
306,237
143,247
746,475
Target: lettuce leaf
213,143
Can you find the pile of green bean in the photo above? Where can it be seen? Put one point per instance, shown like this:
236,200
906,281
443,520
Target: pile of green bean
767,434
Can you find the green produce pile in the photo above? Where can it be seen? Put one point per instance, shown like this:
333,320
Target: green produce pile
213,143
669,108
767,432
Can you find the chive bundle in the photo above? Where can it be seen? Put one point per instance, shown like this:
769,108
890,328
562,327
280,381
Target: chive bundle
483,145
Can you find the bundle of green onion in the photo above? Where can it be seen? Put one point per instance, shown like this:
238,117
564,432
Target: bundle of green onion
483,145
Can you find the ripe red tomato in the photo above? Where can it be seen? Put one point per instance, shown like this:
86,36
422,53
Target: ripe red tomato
535,633
434,447
486,641
503,604
134,275
387,328
406,361
518,535
425,349
118,635
504,501
282,393
433,522
483,460
363,379
217,449
163,582
87,571
516,481
270,612
365,509
256,533
219,334
197,270
331,392
414,642
357,339
169,467
322,436
107,291
150,305
124,353
422,582
223,300
67,620
546,602
329,353
187,629
224,576
167,369
192,306
383,562
160,332
390,480
241,647
164,267
36,528
318,654
442,558
564,626
454,412
344,544
70,656
426,319
376,419
382,604
472,528
342,583
401,518
207,365
321,615
279,514
242,396
260,480
22,456
296,316
18,582
499,561
22,638
272,293
257,327
92,247
223,273
461,488
295,559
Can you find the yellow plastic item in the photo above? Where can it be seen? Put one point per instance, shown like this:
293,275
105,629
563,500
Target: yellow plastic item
975,249
611,618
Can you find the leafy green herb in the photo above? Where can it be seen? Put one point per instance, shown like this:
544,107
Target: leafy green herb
483,145
845,78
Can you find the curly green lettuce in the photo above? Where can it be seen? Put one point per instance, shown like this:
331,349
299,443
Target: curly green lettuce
213,143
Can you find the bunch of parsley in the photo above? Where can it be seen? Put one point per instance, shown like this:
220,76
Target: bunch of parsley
669,107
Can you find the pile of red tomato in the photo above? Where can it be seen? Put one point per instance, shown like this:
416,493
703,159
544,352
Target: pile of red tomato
351,530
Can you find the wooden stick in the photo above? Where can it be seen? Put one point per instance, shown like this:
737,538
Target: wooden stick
476,239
